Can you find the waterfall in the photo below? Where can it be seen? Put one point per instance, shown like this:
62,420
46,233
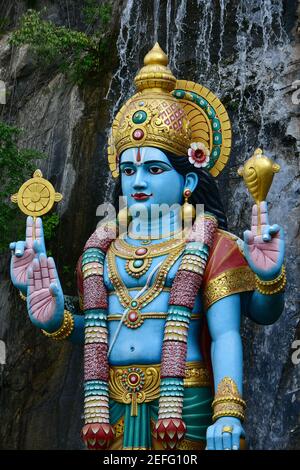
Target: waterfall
177,38
128,47
156,20
168,23
223,5
203,42
256,64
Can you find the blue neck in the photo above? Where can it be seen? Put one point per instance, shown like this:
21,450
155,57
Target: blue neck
159,227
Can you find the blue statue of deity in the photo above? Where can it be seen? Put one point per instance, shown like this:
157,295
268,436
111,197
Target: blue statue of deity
162,303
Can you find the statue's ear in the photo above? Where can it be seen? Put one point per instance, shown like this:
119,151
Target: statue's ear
191,181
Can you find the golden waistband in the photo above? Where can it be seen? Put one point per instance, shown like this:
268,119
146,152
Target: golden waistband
141,384
149,315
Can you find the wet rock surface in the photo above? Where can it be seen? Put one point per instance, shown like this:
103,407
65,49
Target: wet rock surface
246,52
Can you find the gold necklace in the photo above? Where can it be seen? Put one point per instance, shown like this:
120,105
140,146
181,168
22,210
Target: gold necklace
139,258
134,317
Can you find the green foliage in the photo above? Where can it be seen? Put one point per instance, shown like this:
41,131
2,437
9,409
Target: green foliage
77,54
16,165
50,223
95,14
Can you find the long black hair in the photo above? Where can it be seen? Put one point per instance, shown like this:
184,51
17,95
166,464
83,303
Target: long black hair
206,191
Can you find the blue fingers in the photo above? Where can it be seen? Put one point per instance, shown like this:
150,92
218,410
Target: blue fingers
19,248
226,440
57,293
38,247
40,234
274,229
238,432
218,438
54,289
270,230
210,442
225,434
248,236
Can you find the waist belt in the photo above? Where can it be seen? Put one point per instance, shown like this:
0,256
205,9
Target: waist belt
141,384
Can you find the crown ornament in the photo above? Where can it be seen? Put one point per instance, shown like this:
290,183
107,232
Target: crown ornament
170,115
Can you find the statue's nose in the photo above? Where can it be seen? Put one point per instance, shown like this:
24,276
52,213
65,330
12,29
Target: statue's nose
139,182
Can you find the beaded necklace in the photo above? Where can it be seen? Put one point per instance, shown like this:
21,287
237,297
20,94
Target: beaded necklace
134,317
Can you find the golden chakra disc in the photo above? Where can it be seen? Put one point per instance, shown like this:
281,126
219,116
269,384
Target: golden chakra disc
36,196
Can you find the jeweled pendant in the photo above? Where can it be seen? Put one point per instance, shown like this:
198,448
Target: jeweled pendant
138,266
133,319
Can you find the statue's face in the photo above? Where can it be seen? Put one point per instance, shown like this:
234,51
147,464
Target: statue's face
148,177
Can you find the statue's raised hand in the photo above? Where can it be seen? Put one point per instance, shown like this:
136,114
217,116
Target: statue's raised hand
45,300
23,253
264,252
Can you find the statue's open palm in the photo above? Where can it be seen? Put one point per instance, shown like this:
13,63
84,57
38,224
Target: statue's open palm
45,299
264,252
23,253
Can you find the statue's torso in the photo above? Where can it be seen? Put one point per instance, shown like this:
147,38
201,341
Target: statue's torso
143,345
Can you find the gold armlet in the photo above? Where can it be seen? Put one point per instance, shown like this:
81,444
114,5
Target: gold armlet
22,296
65,330
271,287
228,401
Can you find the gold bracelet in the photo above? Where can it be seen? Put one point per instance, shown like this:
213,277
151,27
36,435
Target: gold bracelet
23,297
273,286
272,281
228,401
65,329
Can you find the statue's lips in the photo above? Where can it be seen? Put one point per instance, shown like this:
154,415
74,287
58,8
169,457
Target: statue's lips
141,196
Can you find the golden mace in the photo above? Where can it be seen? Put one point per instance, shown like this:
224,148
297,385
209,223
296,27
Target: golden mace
258,173
36,197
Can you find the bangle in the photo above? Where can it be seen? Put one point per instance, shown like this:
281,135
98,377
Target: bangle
23,297
273,286
228,401
65,329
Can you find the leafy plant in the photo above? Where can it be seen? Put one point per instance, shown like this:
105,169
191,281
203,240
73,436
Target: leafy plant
76,53
50,223
95,14
16,165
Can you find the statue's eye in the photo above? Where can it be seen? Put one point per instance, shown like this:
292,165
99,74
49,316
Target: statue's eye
156,170
128,171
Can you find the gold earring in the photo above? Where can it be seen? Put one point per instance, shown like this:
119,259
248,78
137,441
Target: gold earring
188,210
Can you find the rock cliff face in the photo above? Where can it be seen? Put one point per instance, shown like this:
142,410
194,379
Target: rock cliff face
245,51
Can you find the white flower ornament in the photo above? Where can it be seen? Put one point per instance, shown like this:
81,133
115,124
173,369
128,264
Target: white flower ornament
198,155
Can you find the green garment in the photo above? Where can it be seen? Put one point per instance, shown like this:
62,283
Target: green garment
137,429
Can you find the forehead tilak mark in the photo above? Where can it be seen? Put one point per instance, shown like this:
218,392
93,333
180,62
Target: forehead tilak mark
138,155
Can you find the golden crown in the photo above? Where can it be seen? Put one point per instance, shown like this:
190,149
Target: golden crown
171,115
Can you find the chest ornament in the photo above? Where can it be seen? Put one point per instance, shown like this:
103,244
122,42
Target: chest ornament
139,258
134,318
